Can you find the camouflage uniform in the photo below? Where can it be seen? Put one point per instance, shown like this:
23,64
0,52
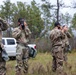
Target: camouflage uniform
56,37
22,54
2,62
66,45
2,67
3,26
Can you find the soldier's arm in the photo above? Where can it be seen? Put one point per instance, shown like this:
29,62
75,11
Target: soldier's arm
27,31
1,44
4,24
16,33
50,35
68,34
56,34
62,35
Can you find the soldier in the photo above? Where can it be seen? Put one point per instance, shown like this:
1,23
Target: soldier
66,42
56,37
3,26
21,33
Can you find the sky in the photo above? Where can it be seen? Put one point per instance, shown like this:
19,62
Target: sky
64,10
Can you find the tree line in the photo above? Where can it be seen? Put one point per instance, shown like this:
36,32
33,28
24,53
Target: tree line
39,17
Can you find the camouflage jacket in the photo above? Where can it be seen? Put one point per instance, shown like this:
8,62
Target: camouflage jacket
3,24
0,45
3,27
56,37
66,40
21,35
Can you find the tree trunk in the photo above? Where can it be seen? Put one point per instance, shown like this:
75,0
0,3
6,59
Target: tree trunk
58,10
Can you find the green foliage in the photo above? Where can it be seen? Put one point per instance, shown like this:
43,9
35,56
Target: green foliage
35,21
74,21
41,65
46,12
65,19
31,13
52,24
20,11
38,17
6,10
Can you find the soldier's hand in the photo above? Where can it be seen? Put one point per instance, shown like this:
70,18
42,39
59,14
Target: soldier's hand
25,23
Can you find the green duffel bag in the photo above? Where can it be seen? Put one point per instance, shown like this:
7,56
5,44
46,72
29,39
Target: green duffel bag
32,52
5,55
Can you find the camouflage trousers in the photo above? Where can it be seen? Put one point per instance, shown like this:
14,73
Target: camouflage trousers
65,58
22,54
58,58
2,68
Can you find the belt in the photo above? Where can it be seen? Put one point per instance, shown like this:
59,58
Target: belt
57,45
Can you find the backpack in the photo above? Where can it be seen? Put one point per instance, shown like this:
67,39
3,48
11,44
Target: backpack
32,52
5,55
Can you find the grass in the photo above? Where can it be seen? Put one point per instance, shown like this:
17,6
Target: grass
41,65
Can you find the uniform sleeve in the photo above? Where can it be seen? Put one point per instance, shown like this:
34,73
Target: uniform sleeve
16,33
4,24
51,35
59,34
56,34
27,31
68,34
0,37
62,35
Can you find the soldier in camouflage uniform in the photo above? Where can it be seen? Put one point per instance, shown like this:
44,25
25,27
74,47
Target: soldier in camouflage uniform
66,42
21,33
56,37
3,26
